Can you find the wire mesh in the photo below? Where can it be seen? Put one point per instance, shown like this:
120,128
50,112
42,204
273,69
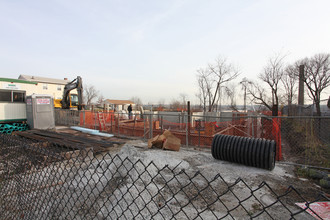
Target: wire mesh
300,139
41,180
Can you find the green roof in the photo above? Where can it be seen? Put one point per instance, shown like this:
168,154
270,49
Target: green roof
16,81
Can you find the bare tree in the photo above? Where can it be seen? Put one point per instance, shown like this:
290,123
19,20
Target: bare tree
161,104
223,72
211,79
183,98
258,95
205,84
290,82
90,93
271,75
199,97
231,95
245,83
100,99
175,104
137,101
317,77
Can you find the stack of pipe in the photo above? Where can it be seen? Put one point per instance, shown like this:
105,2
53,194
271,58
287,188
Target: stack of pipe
9,128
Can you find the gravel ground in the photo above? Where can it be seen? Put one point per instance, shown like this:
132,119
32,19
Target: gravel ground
132,181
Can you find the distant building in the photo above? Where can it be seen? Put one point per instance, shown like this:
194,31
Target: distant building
47,86
119,105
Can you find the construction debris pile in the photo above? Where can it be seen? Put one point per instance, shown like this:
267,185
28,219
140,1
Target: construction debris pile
74,140
166,141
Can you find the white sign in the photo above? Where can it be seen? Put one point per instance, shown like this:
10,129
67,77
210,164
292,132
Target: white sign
11,86
29,101
43,101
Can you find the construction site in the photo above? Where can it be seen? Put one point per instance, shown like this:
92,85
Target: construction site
61,159
164,110
62,163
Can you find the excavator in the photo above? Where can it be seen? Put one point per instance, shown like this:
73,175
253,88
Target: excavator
71,100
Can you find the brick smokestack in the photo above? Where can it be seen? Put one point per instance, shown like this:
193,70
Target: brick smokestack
301,85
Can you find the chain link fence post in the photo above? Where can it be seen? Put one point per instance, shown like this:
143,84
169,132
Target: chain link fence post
94,114
161,123
151,125
111,123
144,126
118,123
83,117
187,141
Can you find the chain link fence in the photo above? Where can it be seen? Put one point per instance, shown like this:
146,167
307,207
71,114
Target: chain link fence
41,180
303,139
306,140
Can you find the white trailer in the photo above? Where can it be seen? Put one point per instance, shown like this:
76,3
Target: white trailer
12,99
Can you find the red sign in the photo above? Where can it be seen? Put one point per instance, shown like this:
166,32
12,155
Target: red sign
43,101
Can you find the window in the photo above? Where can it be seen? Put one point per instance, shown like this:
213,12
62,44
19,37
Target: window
59,87
5,96
12,96
74,99
45,86
18,96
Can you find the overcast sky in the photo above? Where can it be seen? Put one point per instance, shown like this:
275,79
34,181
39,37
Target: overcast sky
152,48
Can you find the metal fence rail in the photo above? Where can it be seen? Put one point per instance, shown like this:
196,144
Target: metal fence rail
302,139
44,181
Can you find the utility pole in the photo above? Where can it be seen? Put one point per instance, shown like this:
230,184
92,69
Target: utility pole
245,83
301,85
189,119
219,100
244,98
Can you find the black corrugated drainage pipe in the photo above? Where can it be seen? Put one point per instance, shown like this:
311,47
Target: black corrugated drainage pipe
254,152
